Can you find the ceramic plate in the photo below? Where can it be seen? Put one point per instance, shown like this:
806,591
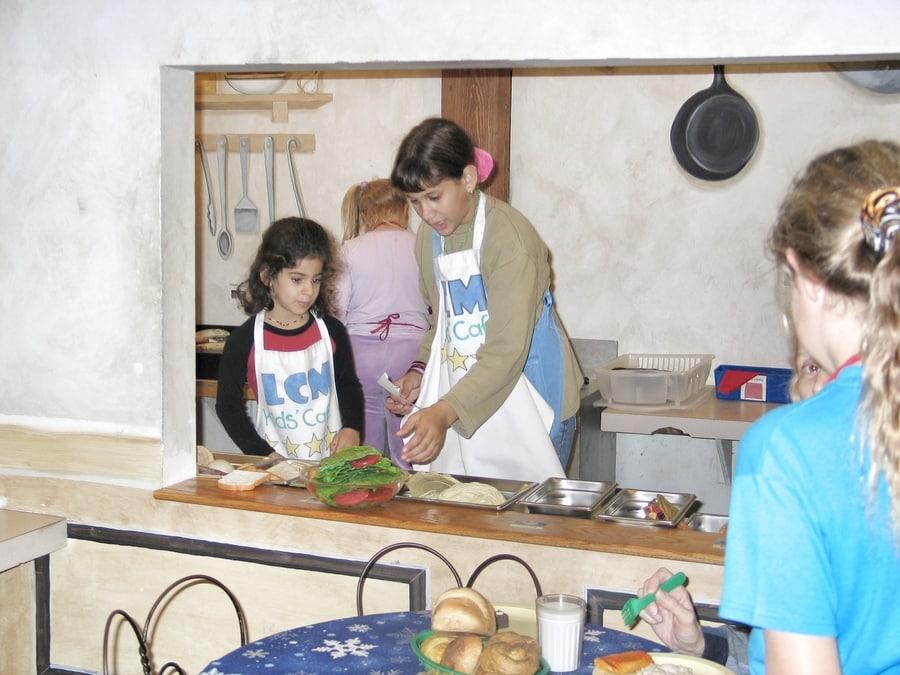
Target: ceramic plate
698,665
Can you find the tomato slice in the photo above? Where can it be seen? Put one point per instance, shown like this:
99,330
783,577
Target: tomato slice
351,498
368,460
381,494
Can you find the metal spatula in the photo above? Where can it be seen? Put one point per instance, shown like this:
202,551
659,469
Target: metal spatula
245,212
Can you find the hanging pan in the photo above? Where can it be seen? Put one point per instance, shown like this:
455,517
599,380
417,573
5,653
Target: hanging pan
714,133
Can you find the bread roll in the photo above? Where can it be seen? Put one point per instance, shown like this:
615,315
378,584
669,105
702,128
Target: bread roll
623,662
509,653
462,654
434,646
463,610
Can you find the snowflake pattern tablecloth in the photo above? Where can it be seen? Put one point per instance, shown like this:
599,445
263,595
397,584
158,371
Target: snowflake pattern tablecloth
377,644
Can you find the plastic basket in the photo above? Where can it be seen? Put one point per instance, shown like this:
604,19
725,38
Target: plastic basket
653,379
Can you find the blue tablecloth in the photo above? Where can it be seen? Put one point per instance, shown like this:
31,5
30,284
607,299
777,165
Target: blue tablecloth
377,644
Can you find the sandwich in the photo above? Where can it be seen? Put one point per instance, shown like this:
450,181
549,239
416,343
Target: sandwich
623,662
354,476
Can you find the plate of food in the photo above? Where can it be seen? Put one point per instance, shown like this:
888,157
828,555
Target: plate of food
644,507
644,663
495,494
353,478
464,639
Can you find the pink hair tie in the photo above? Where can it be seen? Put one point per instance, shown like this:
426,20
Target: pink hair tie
484,164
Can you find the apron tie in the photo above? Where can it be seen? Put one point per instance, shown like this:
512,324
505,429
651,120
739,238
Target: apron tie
383,327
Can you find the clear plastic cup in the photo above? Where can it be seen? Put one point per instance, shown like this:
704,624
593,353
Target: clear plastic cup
560,622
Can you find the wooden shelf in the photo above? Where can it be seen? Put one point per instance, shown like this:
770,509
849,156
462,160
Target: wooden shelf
713,418
260,102
279,104
305,142
208,388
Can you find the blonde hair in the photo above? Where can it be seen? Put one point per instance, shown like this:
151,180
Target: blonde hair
820,221
371,203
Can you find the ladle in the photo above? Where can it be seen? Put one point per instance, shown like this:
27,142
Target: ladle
224,242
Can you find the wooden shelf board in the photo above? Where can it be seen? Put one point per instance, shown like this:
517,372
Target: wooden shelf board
260,102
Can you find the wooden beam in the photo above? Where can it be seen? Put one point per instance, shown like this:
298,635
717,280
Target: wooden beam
479,101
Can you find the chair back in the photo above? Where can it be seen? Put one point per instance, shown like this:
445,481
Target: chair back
143,636
387,549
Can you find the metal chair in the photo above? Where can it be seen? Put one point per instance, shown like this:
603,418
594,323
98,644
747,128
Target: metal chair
387,549
144,641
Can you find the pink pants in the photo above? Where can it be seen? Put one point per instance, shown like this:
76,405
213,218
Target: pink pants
373,357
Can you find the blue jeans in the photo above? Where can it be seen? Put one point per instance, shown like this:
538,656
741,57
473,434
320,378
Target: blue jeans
563,440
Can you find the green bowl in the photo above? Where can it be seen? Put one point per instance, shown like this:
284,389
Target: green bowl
416,644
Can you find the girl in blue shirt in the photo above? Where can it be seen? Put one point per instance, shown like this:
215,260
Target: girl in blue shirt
813,553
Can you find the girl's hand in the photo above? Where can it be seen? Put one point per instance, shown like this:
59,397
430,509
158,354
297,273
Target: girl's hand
345,438
429,429
409,384
672,616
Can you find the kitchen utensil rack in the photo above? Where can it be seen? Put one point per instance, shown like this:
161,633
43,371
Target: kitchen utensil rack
305,142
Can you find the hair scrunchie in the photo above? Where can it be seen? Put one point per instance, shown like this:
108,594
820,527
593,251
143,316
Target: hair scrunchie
484,164
880,219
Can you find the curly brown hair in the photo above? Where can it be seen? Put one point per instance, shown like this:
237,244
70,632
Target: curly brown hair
285,243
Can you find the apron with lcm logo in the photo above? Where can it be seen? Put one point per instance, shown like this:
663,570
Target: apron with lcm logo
297,412
514,443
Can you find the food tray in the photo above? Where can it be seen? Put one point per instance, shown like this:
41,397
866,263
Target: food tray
708,522
563,497
627,506
513,490
653,379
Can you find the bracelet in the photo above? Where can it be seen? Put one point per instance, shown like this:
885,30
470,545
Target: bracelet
417,367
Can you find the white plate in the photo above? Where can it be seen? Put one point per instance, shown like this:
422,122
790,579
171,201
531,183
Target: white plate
698,665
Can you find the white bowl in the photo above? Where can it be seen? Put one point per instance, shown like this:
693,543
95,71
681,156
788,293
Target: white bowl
255,84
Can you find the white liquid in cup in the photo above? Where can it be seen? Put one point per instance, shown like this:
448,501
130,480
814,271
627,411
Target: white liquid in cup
560,620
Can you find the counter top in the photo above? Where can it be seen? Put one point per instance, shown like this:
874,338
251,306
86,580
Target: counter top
27,536
712,418
518,526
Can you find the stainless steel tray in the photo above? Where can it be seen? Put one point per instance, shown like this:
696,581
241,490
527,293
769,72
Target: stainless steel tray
564,497
627,506
708,522
512,490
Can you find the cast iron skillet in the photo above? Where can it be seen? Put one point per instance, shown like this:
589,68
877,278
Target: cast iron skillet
714,133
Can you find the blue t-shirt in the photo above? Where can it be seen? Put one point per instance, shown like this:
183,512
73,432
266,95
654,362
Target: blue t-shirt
809,550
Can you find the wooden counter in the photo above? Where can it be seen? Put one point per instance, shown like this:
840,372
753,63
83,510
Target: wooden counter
511,525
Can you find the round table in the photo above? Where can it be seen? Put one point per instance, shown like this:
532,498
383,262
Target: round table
376,644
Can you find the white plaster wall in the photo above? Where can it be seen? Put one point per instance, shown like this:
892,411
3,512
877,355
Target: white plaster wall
84,333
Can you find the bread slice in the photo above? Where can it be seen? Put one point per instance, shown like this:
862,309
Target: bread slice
240,479
623,662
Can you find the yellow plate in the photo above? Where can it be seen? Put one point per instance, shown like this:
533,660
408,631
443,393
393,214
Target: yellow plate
522,620
698,665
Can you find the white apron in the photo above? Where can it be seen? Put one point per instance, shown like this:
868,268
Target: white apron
298,412
514,443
